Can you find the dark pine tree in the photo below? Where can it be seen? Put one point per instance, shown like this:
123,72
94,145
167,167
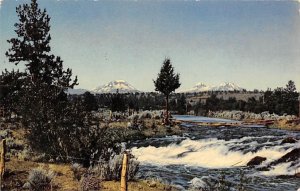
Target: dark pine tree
31,46
181,105
11,83
291,98
89,102
118,102
42,93
166,83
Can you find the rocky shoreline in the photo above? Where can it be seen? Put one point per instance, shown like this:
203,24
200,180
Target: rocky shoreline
241,115
267,119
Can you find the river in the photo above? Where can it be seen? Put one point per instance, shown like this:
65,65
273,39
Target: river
205,156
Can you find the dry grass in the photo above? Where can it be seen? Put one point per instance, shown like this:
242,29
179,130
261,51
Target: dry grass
18,171
287,125
118,124
135,186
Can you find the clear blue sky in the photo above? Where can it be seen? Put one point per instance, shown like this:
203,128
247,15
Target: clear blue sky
255,44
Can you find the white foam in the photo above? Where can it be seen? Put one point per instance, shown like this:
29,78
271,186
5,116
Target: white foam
197,183
280,169
207,153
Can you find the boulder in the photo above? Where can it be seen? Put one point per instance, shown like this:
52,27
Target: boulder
289,140
289,157
256,161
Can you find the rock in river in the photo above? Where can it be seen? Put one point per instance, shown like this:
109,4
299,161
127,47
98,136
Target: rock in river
289,140
289,157
256,161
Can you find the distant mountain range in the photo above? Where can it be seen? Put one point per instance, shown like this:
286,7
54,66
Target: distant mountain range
226,86
120,86
124,87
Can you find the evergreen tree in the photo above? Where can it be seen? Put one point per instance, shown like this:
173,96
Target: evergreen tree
32,47
89,102
181,105
167,82
133,102
290,87
118,102
10,85
212,103
42,93
291,98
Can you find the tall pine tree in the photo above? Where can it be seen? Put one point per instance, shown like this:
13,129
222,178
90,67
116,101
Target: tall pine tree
167,82
32,47
291,98
42,92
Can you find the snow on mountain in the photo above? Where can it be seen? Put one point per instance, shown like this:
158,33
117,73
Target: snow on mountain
200,87
118,85
76,91
225,86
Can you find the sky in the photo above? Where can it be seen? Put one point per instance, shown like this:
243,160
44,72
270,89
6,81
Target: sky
255,44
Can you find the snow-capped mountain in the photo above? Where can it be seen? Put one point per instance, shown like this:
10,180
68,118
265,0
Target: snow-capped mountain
199,87
118,85
225,86
76,91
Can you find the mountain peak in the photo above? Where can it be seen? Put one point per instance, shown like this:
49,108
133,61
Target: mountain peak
115,86
225,86
120,81
199,87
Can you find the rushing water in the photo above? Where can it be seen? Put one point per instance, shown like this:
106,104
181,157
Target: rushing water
203,155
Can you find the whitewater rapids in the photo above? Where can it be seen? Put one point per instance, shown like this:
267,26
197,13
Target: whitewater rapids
203,153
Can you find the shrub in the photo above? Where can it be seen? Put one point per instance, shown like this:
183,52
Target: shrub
39,179
89,183
6,133
25,154
111,169
15,144
76,136
133,121
78,170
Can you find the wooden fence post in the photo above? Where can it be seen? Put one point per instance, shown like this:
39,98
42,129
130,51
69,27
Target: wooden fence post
124,173
2,161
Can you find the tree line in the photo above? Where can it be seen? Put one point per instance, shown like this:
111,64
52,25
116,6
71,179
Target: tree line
279,101
132,101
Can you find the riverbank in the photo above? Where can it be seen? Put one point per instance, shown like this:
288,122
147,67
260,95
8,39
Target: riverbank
289,122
